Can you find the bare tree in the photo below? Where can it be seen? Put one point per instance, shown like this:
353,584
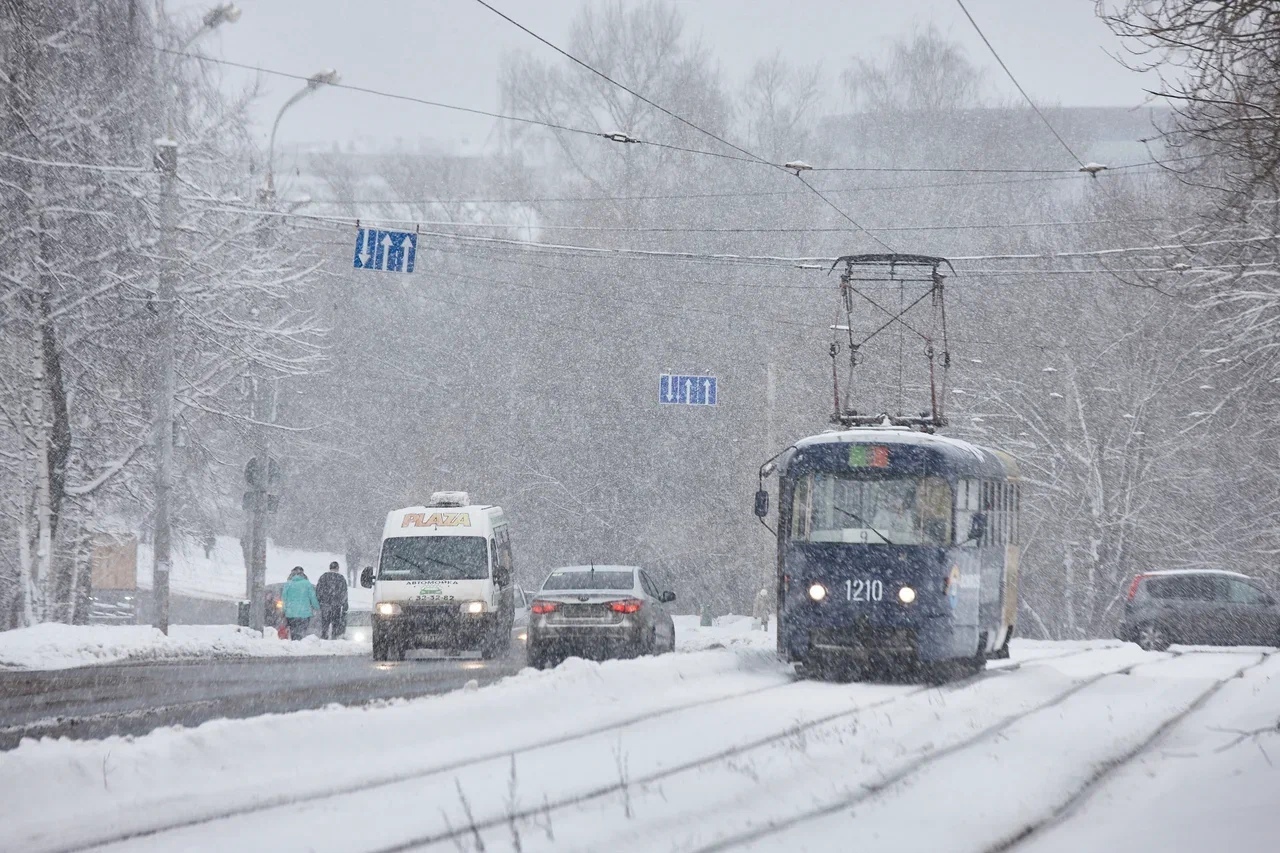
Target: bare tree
79,266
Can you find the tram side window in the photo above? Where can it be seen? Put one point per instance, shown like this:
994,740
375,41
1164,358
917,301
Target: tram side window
991,509
968,502
1013,513
801,509
933,503
999,502
1002,512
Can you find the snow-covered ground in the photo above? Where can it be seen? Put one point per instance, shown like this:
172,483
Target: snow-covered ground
1086,746
53,645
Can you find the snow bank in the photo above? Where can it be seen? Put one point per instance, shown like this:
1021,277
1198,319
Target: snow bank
63,793
724,632
54,645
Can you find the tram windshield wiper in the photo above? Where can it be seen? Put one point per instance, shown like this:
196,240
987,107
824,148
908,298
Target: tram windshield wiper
863,522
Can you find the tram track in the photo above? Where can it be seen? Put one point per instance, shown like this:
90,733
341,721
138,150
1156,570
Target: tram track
1105,770
284,800
548,806
292,799
311,797
871,791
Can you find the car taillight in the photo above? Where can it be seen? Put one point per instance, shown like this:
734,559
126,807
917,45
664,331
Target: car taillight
627,605
1133,587
543,607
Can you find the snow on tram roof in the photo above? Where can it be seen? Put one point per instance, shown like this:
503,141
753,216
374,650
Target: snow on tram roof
1159,573
891,435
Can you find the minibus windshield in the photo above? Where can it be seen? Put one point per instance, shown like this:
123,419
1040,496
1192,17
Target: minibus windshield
434,558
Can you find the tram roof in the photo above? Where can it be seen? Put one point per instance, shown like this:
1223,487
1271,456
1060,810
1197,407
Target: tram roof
956,451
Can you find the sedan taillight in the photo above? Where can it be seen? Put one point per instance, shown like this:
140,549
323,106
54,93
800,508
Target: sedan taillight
626,605
543,607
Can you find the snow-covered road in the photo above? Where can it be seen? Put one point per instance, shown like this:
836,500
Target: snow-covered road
1064,747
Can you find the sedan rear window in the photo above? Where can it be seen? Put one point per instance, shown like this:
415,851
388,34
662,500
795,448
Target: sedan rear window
590,580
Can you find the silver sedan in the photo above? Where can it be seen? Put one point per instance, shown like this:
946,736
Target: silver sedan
599,612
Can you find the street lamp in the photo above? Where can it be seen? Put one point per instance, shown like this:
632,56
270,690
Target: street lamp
265,479
166,159
223,13
325,77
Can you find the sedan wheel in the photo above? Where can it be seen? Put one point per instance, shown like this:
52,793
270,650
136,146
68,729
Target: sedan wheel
1152,638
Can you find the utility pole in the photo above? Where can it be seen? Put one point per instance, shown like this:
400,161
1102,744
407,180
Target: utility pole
262,473
166,161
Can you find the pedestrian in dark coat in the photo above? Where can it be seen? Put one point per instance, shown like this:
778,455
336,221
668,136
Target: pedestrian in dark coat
331,589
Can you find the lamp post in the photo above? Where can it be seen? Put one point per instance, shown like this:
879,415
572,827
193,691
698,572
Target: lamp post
263,472
324,77
166,162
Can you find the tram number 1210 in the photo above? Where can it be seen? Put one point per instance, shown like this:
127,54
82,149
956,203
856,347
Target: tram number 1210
864,590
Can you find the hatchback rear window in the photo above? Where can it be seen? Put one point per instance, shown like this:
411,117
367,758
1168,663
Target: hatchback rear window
590,580
1188,588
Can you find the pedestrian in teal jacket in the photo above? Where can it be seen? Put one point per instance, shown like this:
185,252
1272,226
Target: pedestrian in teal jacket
300,603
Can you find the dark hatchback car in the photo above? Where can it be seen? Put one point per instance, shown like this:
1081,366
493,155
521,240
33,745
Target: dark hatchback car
598,612
1199,606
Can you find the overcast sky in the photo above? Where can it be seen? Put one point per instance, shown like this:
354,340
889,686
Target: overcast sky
449,50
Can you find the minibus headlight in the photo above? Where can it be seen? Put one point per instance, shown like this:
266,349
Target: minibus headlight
817,592
473,607
388,608
906,595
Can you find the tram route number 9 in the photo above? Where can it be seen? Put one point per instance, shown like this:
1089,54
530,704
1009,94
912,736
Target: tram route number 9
864,590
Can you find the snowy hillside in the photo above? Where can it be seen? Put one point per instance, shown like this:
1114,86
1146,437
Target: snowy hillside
220,574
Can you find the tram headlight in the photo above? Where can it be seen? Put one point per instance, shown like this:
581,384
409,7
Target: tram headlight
817,592
906,595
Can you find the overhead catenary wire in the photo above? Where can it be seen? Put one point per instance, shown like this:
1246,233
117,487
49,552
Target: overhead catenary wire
743,156
681,119
1018,85
697,229
490,283
1070,176
62,164
773,260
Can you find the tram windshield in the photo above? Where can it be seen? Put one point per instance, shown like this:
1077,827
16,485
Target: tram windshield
829,507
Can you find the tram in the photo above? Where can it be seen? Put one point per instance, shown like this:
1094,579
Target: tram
897,548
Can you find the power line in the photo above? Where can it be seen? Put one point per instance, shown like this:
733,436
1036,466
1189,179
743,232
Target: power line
680,119
811,262
909,169
1071,176
748,157
303,78
1173,247
1018,85
92,167
693,229
774,261
624,87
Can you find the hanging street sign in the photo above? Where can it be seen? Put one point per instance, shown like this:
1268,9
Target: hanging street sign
389,251
686,390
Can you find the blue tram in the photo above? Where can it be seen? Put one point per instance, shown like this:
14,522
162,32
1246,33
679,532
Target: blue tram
896,550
